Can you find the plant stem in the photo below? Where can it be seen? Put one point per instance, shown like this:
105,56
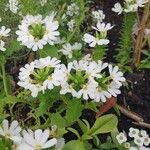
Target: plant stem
4,78
140,36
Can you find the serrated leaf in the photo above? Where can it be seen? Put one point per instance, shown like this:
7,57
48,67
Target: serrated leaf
14,46
73,112
48,50
46,101
104,124
58,120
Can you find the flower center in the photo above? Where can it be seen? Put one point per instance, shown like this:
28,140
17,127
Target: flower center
7,135
78,79
103,82
40,75
101,35
37,30
38,147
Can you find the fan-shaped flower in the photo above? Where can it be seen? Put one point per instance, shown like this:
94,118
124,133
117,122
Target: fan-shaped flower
11,131
35,32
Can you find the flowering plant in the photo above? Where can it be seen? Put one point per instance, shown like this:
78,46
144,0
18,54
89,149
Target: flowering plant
57,80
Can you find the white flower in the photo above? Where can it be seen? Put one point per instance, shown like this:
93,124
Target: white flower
116,75
40,75
71,25
35,32
146,141
141,3
102,27
117,8
77,80
131,8
147,32
4,32
60,144
93,41
36,140
94,69
68,48
98,15
143,133
127,145
13,6
101,95
72,9
133,148
11,132
139,141
87,58
2,44
121,137
88,91
144,148
133,132
113,89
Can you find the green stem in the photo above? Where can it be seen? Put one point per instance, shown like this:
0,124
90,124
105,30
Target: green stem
4,79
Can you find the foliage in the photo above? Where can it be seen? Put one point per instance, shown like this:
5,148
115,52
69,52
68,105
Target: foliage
62,114
125,46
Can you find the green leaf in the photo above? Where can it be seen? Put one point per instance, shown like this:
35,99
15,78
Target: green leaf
14,46
74,145
46,101
145,65
74,131
108,146
104,124
83,126
73,112
58,120
61,132
48,50
91,105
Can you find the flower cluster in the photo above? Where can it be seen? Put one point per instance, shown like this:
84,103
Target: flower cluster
101,35
35,32
72,10
98,15
40,75
4,32
140,139
13,6
87,79
101,30
71,24
129,6
28,139
68,49
70,16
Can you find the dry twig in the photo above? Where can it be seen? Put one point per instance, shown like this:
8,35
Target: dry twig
130,114
140,37
142,124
